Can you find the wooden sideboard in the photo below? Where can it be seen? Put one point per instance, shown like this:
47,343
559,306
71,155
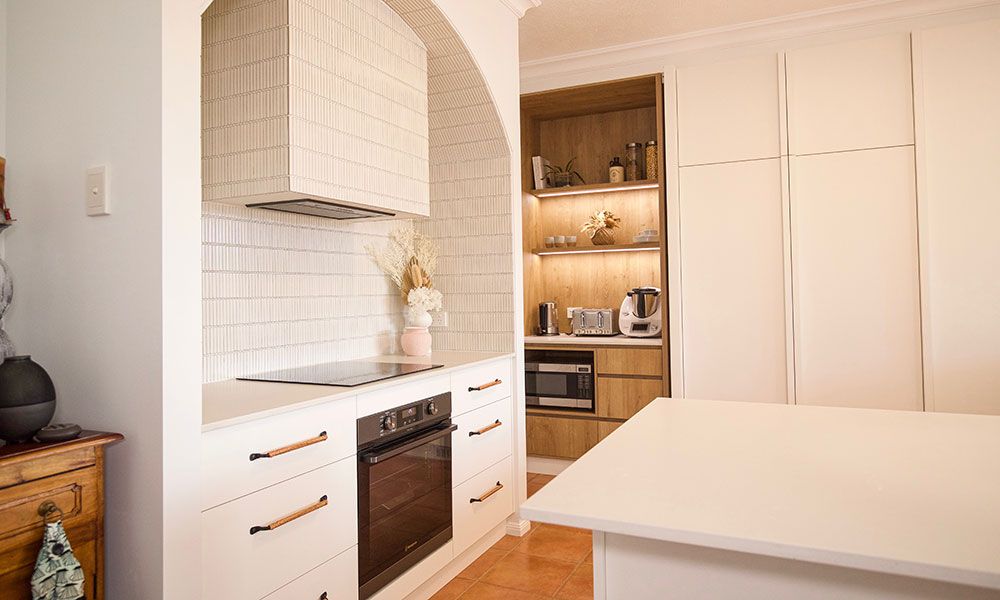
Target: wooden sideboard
69,474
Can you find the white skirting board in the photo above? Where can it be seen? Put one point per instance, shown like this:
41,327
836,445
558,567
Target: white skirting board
546,465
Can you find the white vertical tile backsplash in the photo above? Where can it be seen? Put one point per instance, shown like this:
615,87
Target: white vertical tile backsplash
283,290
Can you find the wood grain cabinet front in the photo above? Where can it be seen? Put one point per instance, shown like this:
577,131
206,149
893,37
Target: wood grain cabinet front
560,437
67,476
629,361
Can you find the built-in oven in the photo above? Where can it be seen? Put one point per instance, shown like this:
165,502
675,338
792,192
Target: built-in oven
404,488
561,379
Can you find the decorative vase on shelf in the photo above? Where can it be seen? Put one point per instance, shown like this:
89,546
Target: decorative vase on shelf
27,399
416,339
603,237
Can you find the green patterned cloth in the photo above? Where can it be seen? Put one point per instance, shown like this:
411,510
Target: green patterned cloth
58,574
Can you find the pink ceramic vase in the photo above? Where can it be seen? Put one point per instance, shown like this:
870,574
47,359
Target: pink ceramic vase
416,341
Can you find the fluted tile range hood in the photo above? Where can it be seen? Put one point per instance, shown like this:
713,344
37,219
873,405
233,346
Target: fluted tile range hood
314,107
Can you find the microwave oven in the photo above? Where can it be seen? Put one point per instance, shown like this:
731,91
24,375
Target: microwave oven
560,379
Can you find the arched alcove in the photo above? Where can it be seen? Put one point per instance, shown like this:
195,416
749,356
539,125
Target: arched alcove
282,290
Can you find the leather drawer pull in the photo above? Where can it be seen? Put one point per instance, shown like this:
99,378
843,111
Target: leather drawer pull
493,490
323,596
286,520
485,386
322,437
49,510
494,425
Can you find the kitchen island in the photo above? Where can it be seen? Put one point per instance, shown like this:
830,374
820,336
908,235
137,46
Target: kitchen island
703,499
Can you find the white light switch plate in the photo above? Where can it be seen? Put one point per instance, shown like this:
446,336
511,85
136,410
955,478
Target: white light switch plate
439,319
97,192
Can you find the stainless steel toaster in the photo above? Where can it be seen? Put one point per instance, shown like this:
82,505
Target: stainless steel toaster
595,321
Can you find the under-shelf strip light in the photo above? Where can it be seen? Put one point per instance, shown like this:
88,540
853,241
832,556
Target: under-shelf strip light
571,192
551,252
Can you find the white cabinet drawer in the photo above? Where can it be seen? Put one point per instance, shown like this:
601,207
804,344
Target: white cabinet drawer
478,386
337,578
473,519
482,439
241,566
293,438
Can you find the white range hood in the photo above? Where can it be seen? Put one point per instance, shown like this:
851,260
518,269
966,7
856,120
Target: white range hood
315,107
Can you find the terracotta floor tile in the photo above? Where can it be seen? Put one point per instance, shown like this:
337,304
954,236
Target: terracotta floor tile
529,573
485,591
575,529
543,479
579,586
507,542
532,488
454,588
482,564
590,559
557,542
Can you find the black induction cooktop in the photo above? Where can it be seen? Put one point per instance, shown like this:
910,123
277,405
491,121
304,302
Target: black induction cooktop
342,374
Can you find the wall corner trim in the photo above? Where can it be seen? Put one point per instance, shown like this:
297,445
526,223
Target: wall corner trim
519,7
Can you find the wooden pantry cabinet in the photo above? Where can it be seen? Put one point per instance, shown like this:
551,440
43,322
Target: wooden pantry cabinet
627,379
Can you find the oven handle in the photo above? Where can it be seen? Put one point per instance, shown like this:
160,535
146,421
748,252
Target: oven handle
376,457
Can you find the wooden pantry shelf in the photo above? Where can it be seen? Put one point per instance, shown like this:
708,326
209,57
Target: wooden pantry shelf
647,246
597,188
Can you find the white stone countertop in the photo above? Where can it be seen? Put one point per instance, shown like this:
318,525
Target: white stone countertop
908,493
233,401
566,339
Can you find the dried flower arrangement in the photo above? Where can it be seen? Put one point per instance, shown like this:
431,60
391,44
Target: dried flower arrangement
410,261
599,227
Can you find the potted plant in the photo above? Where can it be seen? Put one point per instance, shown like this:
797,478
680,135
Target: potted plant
563,176
599,227
410,260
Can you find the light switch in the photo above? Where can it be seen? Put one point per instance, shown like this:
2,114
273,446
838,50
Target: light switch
97,192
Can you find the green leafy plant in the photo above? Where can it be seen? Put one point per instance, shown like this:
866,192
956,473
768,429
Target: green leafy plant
563,176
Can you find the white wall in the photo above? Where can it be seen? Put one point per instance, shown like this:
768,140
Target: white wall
3,78
98,301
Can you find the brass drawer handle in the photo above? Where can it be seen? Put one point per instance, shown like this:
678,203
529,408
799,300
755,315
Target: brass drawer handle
485,386
492,426
322,437
493,490
288,519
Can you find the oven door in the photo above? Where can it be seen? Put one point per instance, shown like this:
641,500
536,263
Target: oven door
404,504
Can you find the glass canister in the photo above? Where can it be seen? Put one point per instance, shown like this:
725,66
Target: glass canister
633,161
652,159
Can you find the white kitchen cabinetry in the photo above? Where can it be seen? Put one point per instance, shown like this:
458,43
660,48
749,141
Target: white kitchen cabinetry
855,279
307,490
850,96
337,578
481,503
242,563
283,446
732,281
728,111
958,71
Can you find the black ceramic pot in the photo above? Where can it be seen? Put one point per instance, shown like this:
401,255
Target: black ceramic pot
27,399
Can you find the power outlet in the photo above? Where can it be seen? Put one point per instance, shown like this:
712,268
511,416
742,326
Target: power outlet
439,319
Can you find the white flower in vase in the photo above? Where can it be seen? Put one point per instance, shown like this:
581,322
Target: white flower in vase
420,302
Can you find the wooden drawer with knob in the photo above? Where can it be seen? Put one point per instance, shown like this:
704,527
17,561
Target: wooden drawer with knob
68,478
478,386
254,545
242,459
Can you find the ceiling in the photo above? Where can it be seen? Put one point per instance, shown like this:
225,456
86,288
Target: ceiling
564,26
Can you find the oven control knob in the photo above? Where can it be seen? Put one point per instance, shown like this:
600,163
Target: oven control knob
432,408
389,423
